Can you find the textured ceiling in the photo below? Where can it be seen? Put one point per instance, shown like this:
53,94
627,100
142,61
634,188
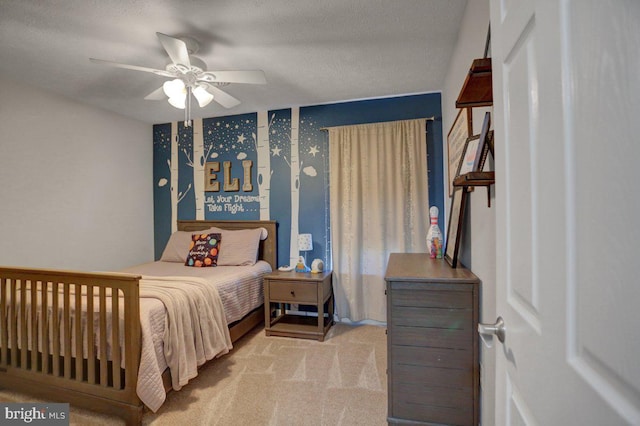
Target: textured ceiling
312,51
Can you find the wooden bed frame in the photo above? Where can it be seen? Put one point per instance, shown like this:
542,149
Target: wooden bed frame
89,382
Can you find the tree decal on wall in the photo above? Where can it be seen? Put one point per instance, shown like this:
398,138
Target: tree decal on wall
176,195
295,166
198,167
264,162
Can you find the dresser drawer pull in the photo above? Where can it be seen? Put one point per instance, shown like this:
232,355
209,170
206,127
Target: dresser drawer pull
293,293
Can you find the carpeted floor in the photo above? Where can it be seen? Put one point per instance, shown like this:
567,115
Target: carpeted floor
279,381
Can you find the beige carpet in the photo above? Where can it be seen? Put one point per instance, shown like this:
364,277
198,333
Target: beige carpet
279,381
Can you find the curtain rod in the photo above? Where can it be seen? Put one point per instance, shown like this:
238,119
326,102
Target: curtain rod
432,118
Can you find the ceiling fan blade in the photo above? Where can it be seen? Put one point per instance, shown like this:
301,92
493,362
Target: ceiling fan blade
176,49
246,77
223,98
163,73
156,95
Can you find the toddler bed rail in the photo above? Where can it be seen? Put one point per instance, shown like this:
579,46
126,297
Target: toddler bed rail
59,334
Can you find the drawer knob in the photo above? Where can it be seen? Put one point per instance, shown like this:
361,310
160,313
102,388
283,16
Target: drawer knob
293,293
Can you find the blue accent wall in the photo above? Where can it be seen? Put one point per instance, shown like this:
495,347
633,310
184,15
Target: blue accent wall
233,138
161,180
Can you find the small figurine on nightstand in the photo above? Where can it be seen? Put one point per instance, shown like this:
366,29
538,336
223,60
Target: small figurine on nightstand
301,266
434,235
317,266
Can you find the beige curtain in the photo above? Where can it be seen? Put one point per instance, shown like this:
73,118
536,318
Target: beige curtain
379,205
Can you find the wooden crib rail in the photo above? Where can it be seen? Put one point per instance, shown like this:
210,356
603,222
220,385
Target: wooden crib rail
46,315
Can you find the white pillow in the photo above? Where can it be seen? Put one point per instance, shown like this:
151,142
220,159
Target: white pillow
177,247
179,244
263,233
239,247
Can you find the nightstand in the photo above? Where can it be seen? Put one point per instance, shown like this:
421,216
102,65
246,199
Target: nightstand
302,288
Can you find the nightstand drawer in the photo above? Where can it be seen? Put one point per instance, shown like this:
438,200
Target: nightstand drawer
293,291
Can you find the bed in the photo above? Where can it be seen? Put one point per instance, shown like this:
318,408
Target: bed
49,357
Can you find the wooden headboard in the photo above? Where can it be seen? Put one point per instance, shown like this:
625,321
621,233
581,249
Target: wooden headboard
268,247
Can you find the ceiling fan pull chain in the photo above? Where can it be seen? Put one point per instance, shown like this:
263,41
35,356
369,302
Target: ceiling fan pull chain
187,110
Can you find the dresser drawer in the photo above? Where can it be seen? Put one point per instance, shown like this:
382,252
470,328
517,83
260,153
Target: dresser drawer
431,298
432,357
421,413
293,291
431,337
432,376
444,319
438,395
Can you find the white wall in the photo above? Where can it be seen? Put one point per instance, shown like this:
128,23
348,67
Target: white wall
478,243
75,184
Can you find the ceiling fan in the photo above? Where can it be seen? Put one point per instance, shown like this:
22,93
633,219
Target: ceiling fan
190,77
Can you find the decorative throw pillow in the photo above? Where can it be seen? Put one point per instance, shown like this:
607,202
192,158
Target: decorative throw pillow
204,250
179,245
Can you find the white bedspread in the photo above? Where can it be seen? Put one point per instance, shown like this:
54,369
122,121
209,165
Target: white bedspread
238,290
195,332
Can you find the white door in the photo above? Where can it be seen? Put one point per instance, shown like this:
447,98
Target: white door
567,135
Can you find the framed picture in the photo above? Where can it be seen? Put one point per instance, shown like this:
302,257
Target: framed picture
483,144
488,148
468,159
454,230
456,138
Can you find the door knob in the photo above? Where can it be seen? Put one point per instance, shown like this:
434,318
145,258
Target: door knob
496,329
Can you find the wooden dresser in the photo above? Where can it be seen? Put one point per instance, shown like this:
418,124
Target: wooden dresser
432,321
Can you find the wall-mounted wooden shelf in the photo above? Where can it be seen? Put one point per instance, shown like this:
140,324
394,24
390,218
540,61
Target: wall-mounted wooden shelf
473,179
477,89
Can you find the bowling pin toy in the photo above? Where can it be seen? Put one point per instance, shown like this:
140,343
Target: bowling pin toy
434,235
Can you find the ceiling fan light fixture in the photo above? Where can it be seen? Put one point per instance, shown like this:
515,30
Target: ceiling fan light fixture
176,91
202,96
174,88
178,101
